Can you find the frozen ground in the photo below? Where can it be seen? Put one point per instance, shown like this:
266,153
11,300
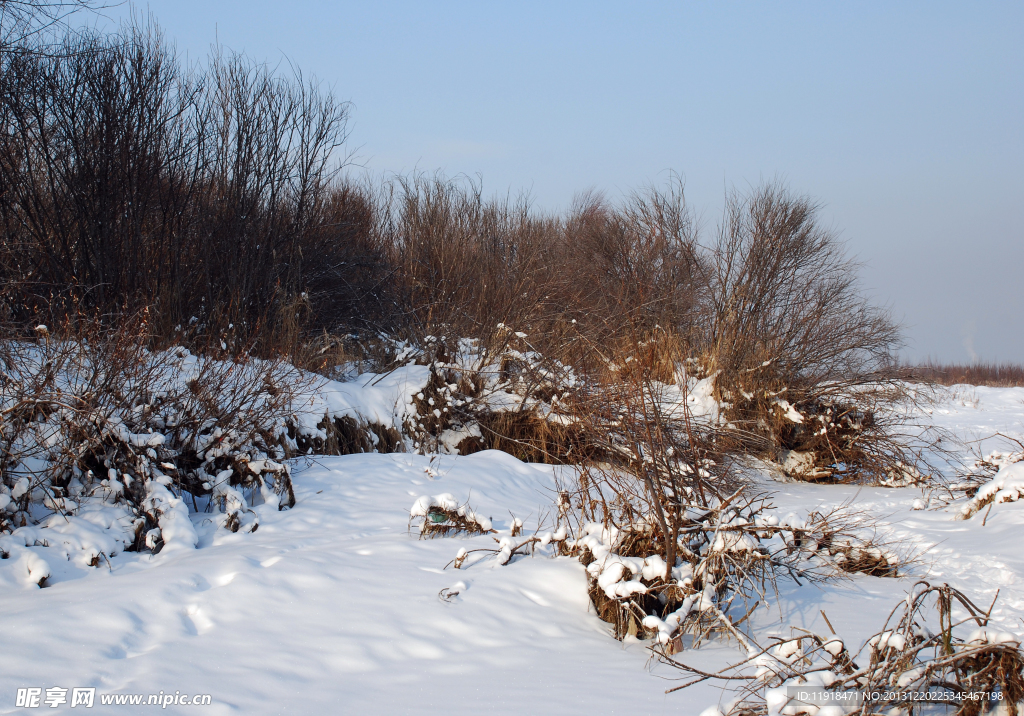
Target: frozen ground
333,607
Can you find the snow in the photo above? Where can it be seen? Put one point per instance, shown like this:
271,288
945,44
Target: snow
791,413
1006,486
689,396
333,607
381,398
337,605
887,640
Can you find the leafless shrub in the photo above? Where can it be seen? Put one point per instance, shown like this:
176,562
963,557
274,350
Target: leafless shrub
675,540
729,557
1006,486
90,412
782,291
985,467
800,356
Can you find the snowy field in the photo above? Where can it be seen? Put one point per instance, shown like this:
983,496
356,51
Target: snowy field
335,606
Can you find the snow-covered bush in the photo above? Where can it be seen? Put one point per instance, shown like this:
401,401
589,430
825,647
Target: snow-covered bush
805,364
99,420
728,558
989,479
675,538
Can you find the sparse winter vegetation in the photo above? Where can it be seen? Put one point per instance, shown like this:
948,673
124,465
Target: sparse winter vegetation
1003,375
198,304
921,649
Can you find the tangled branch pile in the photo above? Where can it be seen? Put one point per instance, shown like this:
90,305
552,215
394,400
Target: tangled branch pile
923,656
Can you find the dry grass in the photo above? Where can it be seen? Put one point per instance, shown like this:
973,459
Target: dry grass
998,375
964,665
444,523
530,438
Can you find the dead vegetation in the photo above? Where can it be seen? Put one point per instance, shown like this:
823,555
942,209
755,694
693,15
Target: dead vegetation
92,413
728,560
618,339
801,366
147,201
347,436
445,523
614,338
998,375
333,273
444,516
988,479
923,656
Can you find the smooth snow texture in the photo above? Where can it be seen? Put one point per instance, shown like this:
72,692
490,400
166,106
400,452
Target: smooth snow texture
382,398
333,607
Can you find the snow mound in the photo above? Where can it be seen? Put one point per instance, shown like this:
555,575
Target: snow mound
1006,486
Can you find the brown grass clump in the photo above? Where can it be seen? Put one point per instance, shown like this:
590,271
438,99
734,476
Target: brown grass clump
440,522
531,438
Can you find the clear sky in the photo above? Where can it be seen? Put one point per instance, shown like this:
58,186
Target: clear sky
906,120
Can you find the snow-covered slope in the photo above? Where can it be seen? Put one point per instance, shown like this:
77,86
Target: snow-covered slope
333,606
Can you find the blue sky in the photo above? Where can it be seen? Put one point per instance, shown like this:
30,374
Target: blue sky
906,120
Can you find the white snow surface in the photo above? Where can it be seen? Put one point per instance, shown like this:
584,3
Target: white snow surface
382,398
333,606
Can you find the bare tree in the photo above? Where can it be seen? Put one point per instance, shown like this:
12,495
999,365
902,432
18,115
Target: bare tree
27,25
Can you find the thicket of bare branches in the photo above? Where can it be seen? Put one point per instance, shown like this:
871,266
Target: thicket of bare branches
803,359
922,657
615,337
676,537
204,193
30,25
209,196
463,265
92,414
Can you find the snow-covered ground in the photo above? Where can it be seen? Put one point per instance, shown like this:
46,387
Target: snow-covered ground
334,606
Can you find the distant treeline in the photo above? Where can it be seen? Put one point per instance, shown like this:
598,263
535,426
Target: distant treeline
1003,375
210,199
